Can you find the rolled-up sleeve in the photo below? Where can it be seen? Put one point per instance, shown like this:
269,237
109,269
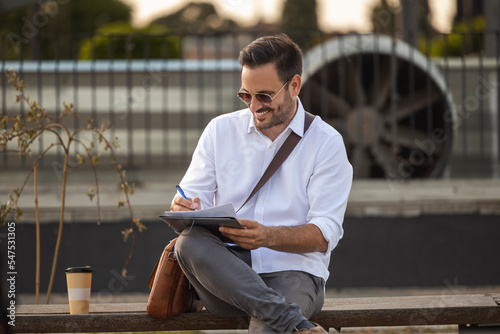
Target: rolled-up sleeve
328,190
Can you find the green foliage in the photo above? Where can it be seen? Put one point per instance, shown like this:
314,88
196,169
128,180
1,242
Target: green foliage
383,17
300,21
51,29
466,38
196,17
120,40
69,17
91,193
425,16
88,16
300,15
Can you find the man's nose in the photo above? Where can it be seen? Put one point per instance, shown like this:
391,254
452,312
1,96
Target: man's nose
255,104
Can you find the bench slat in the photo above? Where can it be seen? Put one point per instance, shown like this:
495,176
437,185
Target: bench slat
496,298
337,312
94,308
358,303
408,302
123,322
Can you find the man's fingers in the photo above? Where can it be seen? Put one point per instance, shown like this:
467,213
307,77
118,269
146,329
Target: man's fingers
181,204
245,238
195,204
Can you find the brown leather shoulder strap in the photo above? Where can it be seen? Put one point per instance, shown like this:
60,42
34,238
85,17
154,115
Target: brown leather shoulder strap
283,153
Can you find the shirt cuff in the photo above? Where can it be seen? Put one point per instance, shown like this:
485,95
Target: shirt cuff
331,231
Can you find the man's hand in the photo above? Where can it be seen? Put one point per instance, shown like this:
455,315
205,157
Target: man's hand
254,235
182,204
297,239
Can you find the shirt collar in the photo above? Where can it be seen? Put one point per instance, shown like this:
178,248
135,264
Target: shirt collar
297,123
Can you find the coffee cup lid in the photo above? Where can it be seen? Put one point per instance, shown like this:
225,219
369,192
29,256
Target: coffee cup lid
84,269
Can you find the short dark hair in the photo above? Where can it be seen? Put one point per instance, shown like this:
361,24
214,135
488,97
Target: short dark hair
279,50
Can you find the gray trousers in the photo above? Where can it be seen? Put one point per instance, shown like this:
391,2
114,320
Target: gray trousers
229,287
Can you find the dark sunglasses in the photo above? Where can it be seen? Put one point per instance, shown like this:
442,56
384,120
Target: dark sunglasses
261,97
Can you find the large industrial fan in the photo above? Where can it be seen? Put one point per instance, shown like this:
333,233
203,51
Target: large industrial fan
388,100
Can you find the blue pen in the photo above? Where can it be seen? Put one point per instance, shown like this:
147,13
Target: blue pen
182,192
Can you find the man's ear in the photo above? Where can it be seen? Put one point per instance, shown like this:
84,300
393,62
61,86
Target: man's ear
295,85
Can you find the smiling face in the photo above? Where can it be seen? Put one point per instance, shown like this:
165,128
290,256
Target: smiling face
273,118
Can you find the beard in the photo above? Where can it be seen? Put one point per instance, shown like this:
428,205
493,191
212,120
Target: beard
280,115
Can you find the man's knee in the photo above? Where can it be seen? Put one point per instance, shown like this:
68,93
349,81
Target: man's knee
192,244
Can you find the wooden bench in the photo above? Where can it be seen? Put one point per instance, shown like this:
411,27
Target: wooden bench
481,311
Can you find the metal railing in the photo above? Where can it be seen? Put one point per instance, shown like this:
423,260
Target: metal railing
403,113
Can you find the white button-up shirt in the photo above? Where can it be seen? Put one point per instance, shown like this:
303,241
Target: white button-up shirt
311,187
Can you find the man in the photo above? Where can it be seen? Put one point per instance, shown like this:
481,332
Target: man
275,272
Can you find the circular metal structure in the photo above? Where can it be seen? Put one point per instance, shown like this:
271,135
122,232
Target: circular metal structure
390,103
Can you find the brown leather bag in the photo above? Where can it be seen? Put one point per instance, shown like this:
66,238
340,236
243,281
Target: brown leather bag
171,293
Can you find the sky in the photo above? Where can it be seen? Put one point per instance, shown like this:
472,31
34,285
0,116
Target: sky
334,15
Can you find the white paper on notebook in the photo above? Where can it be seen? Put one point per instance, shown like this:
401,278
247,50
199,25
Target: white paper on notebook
224,210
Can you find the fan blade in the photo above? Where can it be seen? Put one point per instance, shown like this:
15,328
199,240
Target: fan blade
411,104
335,102
385,158
380,90
355,90
407,137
